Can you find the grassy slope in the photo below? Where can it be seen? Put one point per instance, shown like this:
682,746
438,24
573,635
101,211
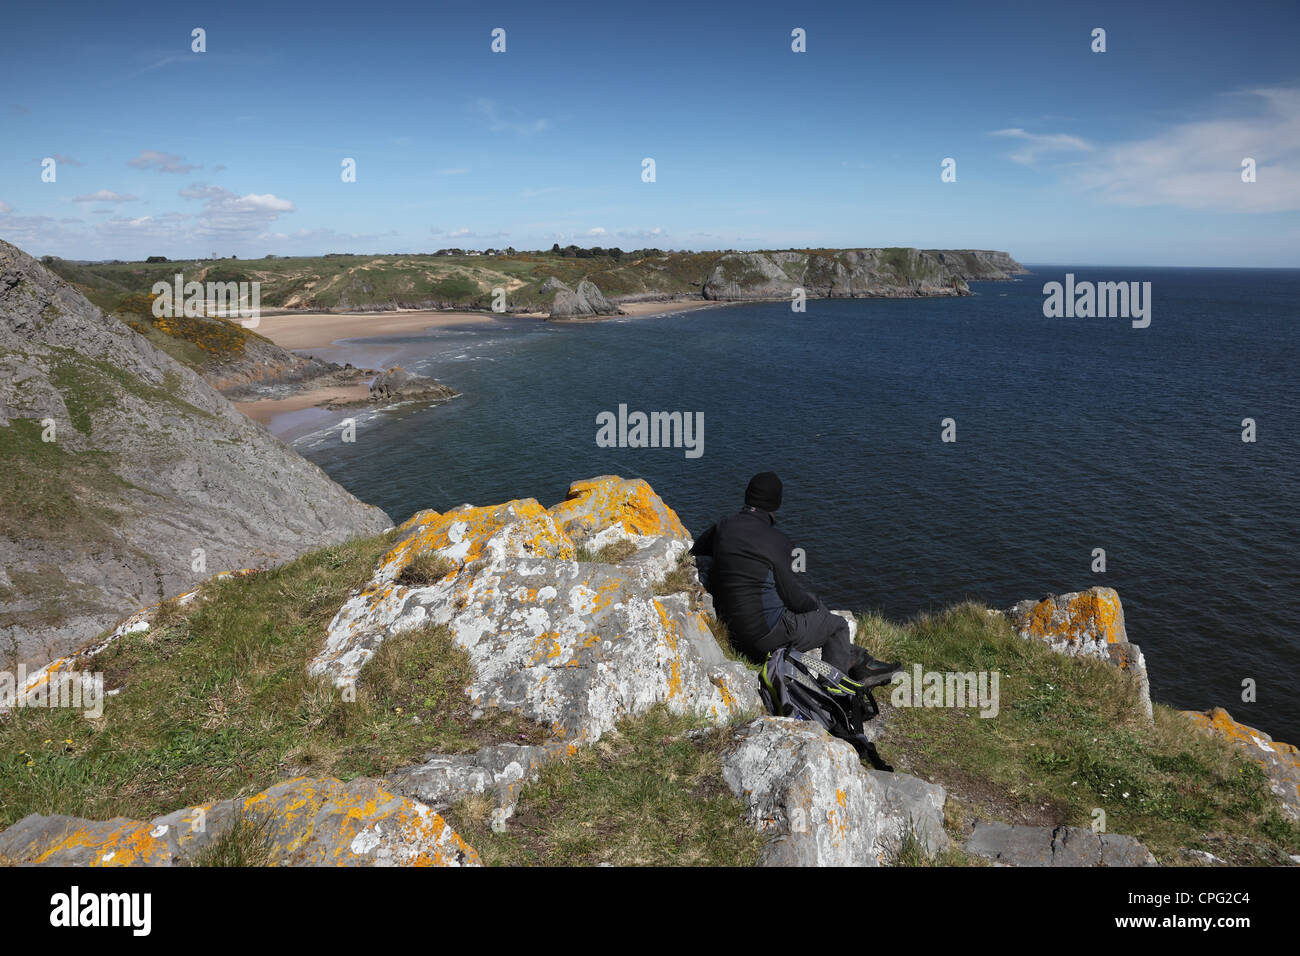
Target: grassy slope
1069,737
359,282
215,701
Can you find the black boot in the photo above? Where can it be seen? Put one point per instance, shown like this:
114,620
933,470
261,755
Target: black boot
870,671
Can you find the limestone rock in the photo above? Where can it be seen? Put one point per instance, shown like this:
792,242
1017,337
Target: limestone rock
1085,623
399,385
599,511
819,804
304,821
443,779
572,645
1281,762
854,273
585,301
149,463
1009,845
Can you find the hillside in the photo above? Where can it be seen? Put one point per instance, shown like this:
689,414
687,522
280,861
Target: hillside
128,478
359,283
516,684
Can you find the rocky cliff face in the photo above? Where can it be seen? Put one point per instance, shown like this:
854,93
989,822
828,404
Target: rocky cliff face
854,273
127,477
586,300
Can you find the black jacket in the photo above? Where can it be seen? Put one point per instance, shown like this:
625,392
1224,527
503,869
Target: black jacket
745,563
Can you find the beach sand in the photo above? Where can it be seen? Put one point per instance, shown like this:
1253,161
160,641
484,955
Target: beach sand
319,331
323,335
264,410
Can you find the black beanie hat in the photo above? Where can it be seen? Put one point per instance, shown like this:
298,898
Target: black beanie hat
764,491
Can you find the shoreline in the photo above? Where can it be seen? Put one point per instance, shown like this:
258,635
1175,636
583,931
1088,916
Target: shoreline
352,337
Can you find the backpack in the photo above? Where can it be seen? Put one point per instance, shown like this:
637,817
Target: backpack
793,684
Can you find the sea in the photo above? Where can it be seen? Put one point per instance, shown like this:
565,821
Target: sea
1066,435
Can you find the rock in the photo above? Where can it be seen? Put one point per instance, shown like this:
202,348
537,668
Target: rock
399,385
573,646
1281,762
600,511
1009,845
1200,857
819,805
853,273
304,821
587,300
442,780
1085,623
149,463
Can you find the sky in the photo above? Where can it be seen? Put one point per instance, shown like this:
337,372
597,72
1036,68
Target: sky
1132,156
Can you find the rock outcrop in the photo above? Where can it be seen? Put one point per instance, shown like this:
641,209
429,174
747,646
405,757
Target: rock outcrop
1088,624
1007,845
854,273
398,385
1279,761
127,477
300,822
572,645
583,302
819,805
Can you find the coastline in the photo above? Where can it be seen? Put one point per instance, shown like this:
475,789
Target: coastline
353,337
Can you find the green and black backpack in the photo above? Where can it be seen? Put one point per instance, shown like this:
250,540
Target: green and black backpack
793,684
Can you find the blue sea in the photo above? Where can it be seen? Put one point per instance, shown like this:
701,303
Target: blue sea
1071,434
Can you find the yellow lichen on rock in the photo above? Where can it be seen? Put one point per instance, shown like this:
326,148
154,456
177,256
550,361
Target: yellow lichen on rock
518,529
1096,613
630,506
300,822
1280,761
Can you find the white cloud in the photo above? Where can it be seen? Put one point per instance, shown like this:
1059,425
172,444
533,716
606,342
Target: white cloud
161,162
1192,165
1197,165
491,114
228,214
1034,145
5,207
203,191
465,233
105,195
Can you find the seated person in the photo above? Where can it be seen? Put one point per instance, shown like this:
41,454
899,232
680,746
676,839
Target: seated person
745,563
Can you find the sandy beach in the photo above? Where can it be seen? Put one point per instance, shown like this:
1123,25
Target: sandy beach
319,331
342,337
264,410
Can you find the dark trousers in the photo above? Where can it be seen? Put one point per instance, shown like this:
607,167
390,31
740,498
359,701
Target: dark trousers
809,630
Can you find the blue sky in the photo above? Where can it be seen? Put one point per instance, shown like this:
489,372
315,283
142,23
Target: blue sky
1128,157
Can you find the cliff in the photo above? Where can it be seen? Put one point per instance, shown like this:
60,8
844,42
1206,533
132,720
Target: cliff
128,478
583,302
516,683
854,273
